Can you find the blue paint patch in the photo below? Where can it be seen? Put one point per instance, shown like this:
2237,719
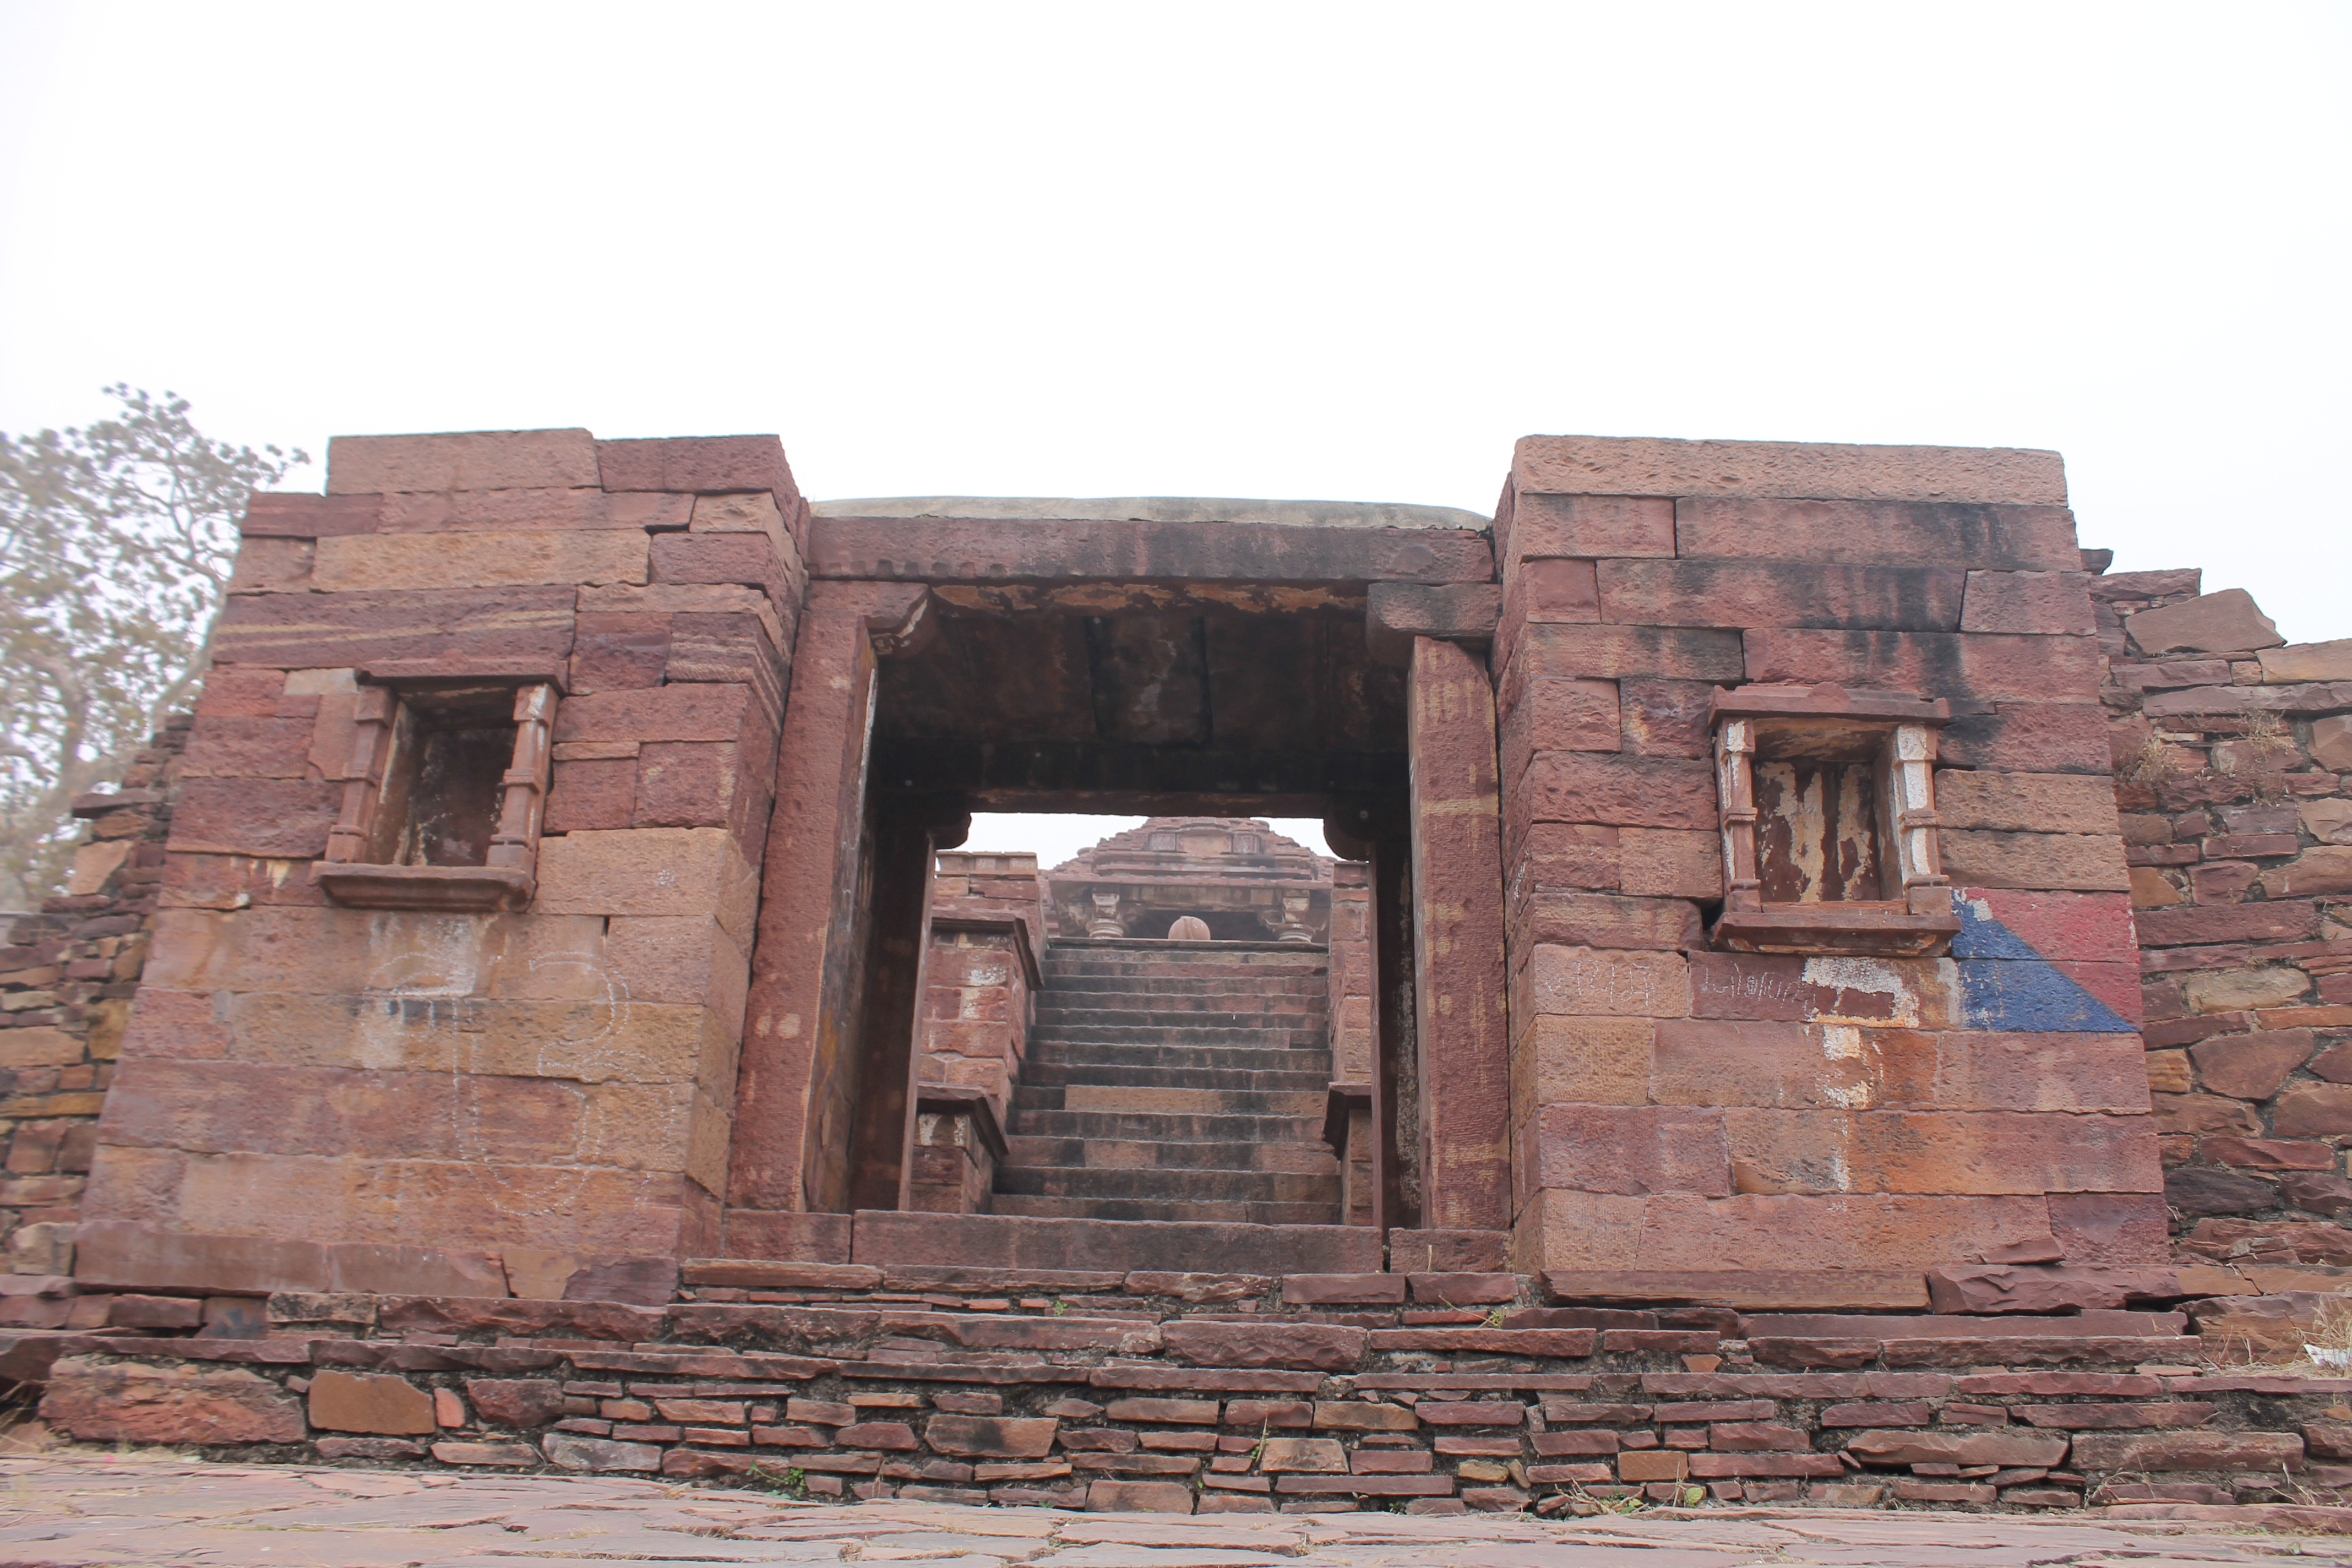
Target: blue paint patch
2030,997
1981,936
2006,984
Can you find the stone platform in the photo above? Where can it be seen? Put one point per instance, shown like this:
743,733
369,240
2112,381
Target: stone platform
92,1511
1434,1394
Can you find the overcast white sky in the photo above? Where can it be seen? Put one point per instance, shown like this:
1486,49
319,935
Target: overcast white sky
1266,249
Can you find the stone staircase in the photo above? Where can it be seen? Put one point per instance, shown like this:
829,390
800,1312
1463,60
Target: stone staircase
1174,1082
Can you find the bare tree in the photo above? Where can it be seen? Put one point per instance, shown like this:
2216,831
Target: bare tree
116,543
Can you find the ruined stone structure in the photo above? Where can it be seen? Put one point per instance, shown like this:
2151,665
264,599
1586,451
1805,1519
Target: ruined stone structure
541,1015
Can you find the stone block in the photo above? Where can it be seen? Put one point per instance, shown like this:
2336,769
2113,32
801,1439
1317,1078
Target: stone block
2224,622
2276,921
1939,1153
2316,1110
2198,1189
1982,1070
1669,863
751,560
281,819
2079,862
1138,1497
467,460
619,652
380,562
1722,1062
1666,717
1903,992
1984,666
1565,715
568,1451
370,1402
1591,1060
2316,1191
2251,1065
1319,1346
1654,1465
2044,602
39,1047
1631,1148
1580,651
592,794
2026,802
1609,921
1743,594
2307,661
690,711
529,510
514,1454
1588,982
2331,743
991,1437
708,464
2326,869
2266,1452
2045,1288
321,631
1358,1416
131,1254
2030,737
515,1402
1591,526
2011,1448
1617,791
299,515
1857,1233
650,872
1652,466
273,567
1286,1455
1434,1250
132,1403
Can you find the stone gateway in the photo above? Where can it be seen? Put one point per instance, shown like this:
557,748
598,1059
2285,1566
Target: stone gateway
1823,992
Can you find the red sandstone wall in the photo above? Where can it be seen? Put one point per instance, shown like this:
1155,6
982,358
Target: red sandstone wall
977,991
1682,1110
2231,753
536,1091
66,977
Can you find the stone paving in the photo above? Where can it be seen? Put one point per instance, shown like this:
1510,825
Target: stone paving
81,1511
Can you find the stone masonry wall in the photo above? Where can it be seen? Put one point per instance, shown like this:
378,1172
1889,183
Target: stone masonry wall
495,1101
1680,1108
1209,1392
2233,752
66,977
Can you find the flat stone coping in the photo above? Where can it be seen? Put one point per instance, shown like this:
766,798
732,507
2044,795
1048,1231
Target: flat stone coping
1161,509
1163,944
95,1508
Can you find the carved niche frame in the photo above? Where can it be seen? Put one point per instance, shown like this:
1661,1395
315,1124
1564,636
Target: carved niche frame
1895,736
351,873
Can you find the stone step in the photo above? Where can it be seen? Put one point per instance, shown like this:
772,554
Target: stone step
1169,1154
1048,1074
1154,1127
1111,1034
1174,1018
1169,1186
1012,1241
1172,967
1304,988
1275,1058
1207,1214
1132,1100
2099,1323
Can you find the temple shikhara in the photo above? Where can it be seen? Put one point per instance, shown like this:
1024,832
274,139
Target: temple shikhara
1820,991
